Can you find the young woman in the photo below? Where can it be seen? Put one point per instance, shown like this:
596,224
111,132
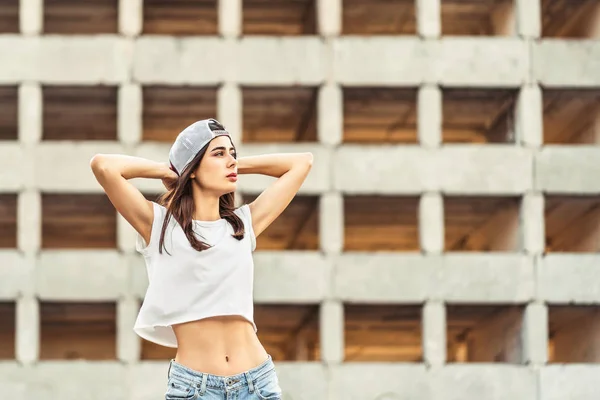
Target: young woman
198,252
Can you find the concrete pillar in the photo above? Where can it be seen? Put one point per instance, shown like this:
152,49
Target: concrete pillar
30,113
27,339
31,16
29,221
332,331
30,129
129,120
126,235
128,343
434,333
533,239
529,117
528,16
429,112
429,18
431,223
503,19
131,17
331,223
330,109
229,110
535,334
230,18
329,15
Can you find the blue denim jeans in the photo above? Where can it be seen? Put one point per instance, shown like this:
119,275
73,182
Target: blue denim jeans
259,383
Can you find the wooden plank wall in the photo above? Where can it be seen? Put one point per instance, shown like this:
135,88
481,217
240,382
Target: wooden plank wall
79,112
9,109
81,17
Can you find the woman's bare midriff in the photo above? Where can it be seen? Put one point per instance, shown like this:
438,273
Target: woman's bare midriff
222,346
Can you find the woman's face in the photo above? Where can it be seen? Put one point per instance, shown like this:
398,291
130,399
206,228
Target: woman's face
217,171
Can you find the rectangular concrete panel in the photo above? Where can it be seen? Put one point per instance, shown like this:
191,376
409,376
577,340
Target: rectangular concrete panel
567,169
569,278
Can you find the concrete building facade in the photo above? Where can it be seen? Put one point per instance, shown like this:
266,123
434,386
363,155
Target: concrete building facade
505,311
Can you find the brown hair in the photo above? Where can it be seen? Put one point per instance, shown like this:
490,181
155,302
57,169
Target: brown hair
179,202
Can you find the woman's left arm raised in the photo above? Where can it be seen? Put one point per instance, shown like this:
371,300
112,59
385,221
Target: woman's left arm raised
290,169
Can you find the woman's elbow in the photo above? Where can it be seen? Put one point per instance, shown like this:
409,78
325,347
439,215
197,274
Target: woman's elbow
308,158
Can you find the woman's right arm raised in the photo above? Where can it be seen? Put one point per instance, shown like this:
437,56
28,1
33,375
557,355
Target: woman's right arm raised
113,172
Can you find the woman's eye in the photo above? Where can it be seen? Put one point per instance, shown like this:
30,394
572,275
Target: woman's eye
219,153
234,155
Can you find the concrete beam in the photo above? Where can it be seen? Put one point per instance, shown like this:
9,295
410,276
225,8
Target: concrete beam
558,382
398,278
566,63
54,163
568,169
482,278
283,277
469,169
569,278
128,342
485,381
17,271
64,59
385,381
74,275
15,179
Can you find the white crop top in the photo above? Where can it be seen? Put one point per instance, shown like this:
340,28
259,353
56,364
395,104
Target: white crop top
190,285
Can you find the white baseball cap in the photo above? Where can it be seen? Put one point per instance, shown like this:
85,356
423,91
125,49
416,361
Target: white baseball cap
190,141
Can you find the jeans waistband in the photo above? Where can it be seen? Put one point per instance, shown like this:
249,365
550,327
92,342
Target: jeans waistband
203,379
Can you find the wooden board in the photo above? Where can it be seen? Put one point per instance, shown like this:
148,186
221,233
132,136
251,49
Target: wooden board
380,115
78,221
379,223
465,217
568,18
279,114
8,221
572,223
478,115
289,17
79,112
9,16
7,330
180,17
570,116
70,331
9,109
469,17
168,110
379,17
81,17
297,228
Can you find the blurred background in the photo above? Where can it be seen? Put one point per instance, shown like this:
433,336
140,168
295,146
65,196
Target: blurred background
445,245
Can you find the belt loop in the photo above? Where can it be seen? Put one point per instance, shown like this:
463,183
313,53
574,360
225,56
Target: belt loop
203,387
250,383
